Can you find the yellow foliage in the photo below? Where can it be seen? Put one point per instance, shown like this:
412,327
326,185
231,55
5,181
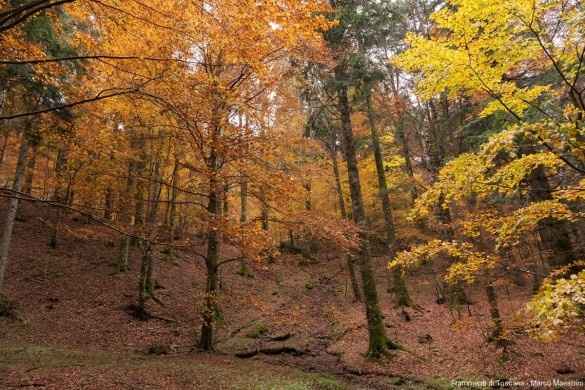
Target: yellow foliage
527,219
560,304
509,178
468,262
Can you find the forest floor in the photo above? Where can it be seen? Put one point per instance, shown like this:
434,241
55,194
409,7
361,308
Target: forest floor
74,331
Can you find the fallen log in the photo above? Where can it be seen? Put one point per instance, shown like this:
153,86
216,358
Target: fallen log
271,351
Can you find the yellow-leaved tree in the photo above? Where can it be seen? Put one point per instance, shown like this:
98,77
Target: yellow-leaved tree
523,59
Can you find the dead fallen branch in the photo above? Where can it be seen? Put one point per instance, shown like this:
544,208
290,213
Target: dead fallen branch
271,351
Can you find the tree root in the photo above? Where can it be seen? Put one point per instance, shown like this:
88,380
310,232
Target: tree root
142,314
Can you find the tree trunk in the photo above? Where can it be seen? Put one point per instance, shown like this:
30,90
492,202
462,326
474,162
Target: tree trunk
126,203
243,200
147,266
340,198
30,169
338,187
108,204
264,214
401,138
5,139
211,262
355,286
61,194
308,201
173,208
492,298
225,200
378,342
144,287
399,289
243,218
432,140
554,235
12,209
141,188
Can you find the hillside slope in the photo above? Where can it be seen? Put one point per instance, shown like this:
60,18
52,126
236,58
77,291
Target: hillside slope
74,329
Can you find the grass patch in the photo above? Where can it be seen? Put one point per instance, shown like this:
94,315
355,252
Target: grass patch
197,371
257,331
308,382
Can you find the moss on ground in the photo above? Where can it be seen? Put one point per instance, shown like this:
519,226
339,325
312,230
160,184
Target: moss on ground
189,371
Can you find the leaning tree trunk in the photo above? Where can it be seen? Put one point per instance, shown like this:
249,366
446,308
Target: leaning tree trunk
378,342
12,209
397,282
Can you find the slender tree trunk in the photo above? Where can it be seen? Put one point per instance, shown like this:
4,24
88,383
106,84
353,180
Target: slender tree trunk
492,298
243,200
308,201
147,266
108,204
126,203
243,218
173,208
378,342
144,289
264,213
61,194
225,200
30,169
357,296
433,142
355,286
401,138
12,209
381,176
5,140
140,187
398,284
338,187
139,209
